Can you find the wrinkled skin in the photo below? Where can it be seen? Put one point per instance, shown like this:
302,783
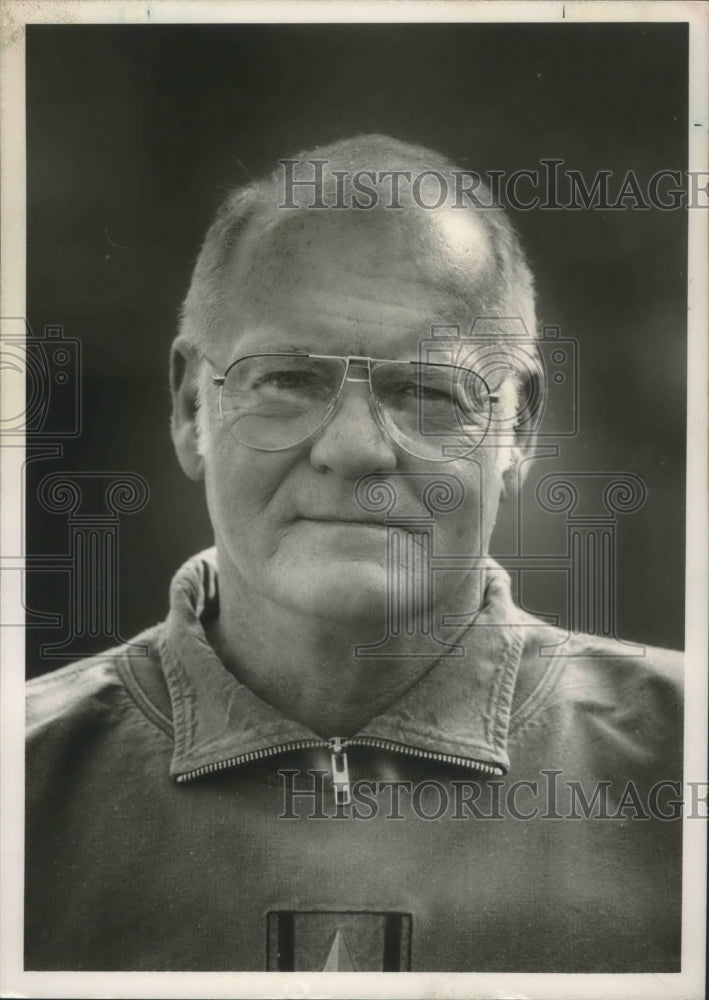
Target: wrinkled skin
293,544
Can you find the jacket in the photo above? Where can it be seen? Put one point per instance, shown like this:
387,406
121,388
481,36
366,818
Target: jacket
516,810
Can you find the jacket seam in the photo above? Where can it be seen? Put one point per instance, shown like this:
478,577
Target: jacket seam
177,687
503,688
141,699
537,701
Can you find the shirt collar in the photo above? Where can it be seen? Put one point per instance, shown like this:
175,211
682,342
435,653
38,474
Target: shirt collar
460,708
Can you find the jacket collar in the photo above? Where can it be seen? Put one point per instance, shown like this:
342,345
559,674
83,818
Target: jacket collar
459,708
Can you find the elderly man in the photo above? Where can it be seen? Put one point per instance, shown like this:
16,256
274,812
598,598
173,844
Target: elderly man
309,767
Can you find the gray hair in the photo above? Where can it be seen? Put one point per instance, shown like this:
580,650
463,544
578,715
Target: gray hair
252,210
248,211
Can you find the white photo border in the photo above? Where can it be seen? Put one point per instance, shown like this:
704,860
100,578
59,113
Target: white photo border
688,984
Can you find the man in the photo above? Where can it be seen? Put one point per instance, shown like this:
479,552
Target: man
311,768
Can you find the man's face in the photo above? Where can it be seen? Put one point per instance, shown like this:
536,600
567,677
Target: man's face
287,523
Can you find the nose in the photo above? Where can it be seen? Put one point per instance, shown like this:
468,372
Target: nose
352,443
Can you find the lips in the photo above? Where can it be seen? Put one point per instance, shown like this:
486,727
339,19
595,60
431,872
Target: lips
340,520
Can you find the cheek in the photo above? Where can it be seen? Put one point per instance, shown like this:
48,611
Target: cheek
472,523
240,486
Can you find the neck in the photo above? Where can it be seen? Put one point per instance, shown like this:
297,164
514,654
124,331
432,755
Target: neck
308,669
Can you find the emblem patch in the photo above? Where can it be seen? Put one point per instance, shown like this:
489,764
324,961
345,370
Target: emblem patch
325,941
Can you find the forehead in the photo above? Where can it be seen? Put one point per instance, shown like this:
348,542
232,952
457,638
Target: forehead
356,282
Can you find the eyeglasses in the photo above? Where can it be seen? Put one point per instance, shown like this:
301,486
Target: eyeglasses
435,412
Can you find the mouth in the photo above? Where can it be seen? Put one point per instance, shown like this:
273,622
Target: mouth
340,522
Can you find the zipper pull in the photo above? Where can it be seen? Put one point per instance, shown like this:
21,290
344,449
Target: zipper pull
340,772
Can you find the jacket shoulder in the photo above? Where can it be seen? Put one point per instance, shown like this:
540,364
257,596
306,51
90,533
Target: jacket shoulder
636,672
82,690
606,662
626,694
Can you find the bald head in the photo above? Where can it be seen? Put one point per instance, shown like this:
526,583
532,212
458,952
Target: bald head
409,268
372,206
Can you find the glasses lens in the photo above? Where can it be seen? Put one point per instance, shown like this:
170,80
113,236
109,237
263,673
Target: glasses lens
275,401
436,412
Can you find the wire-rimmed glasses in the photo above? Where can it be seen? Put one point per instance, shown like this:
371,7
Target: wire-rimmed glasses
435,412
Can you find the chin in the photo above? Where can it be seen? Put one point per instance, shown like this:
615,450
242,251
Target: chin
342,591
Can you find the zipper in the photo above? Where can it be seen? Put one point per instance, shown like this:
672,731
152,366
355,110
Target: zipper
340,772
338,760
248,758
443,758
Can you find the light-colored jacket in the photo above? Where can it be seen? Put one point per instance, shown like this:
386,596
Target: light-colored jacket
516,810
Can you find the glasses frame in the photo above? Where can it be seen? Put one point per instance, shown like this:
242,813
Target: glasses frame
377,409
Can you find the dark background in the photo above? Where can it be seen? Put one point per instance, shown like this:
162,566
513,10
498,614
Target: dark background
136,133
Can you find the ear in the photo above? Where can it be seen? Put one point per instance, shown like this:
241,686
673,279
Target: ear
184,366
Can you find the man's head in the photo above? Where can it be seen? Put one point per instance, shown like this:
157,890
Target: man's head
277,274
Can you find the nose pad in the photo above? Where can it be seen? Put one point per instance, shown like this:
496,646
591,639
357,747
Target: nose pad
352,441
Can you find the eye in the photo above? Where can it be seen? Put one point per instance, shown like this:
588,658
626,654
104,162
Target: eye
417,391
432,395
289,382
